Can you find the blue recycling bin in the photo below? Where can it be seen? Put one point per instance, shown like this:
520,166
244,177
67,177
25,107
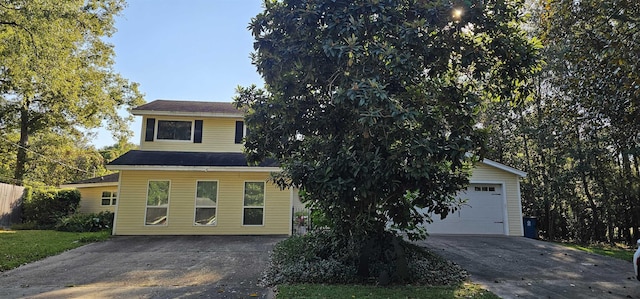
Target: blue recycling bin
530,229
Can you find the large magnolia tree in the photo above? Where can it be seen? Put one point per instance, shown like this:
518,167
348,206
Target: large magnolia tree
56,72
370,106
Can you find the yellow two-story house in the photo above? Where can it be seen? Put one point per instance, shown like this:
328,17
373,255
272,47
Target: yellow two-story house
190,176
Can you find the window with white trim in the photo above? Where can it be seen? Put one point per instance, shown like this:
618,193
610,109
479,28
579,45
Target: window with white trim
485,189
109,198
253,207
174,130
206,202
157,203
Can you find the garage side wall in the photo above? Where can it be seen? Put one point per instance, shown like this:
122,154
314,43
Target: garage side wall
484,174
130,215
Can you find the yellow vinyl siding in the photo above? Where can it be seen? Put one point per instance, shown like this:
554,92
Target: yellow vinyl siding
483,173
132,204
217,136
91,199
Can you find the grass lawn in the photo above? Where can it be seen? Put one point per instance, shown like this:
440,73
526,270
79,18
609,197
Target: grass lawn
24,246
313,291
618,252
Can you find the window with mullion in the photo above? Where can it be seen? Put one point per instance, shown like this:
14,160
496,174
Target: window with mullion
206,202
157,203
253,206
109,198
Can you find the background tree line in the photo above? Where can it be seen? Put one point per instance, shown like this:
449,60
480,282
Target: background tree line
578,134
57,83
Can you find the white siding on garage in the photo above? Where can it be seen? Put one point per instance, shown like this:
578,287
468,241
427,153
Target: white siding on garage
498,212
484,173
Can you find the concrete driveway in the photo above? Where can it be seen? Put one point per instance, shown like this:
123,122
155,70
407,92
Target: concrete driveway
148,267
517,267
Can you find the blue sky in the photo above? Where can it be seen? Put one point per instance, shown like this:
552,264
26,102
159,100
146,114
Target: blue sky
184,50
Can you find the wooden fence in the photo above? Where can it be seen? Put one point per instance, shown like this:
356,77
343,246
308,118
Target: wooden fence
10,204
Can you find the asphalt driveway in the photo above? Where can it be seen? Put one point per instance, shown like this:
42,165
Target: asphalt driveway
148,267
517,267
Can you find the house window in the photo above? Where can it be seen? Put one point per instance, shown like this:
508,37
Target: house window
109,198
240,132
157,203
253,213
174,130
206,202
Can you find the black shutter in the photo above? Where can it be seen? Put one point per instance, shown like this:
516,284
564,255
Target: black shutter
151,125
197,134
239,131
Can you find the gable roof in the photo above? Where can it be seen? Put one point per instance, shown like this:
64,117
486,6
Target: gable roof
506,168
169,160
188,108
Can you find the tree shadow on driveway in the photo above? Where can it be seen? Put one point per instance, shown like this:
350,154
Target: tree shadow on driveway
517,267
148,267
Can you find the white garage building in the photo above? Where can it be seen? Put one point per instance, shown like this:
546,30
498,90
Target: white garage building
493,204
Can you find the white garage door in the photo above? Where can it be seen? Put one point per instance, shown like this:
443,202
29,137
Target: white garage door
482,214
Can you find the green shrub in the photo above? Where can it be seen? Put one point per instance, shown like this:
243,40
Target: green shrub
319,219
311,258
46,206
86,222
322,257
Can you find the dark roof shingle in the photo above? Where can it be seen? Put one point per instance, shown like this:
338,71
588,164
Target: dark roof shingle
109,178
189,107
168,158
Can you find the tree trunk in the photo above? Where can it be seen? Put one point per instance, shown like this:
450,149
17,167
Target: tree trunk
608,203
23,144
597,231
628,196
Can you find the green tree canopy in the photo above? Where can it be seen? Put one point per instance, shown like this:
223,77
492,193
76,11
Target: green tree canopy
56,70
370,106
579,136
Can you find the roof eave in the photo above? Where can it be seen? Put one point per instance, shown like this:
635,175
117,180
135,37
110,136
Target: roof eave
183,113
86,185
196,168
506,168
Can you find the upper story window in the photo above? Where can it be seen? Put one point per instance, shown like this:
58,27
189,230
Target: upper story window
241,132
190,130
174,130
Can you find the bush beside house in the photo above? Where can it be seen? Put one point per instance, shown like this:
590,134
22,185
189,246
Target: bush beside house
52,208
44,207
92,222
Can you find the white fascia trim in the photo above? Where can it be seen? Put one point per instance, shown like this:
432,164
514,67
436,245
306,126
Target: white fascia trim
197,168
88,185
182,113
505,168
